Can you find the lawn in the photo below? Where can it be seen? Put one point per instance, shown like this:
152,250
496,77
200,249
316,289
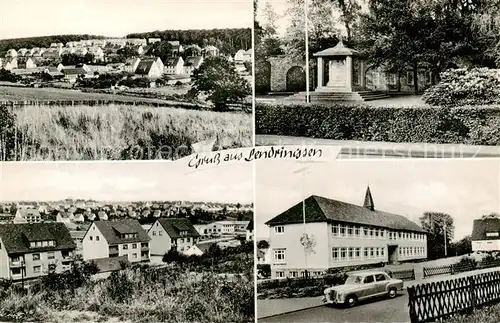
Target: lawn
118,132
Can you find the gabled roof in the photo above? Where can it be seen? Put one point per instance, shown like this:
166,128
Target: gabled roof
17,237
28,212
174,226
112,231
321,209
145,65
204,246
482,226
193,60
338,50
173,61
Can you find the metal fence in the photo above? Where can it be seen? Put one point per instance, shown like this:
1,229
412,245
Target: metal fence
459,268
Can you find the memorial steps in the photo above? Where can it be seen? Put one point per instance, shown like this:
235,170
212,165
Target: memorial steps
318,96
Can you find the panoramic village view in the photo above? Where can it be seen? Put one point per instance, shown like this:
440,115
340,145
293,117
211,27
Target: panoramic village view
131,247
162,93
389,240
379,76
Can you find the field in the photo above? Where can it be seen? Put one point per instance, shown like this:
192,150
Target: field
118,132
140,294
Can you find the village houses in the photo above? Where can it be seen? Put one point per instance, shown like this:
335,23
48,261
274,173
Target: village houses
108,239
174,66
342,234
31,250
172,233
150,67
486,234
27,215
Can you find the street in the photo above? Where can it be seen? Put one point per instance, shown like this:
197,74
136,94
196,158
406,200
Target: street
379,310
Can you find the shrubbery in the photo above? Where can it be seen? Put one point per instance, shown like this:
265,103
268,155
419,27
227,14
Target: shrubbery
460,87
344,121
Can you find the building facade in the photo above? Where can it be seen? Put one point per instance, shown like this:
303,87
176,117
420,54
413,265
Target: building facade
172,233
486,235
340,234
31,250
108,239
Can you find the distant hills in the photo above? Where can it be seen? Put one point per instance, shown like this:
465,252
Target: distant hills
42,41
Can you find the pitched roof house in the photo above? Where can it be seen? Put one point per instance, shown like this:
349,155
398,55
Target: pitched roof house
150,67
25,215
107,239
354,235
486,234
30,250
11,53
199,249
211,50
192,63
172,233
25,62
174,66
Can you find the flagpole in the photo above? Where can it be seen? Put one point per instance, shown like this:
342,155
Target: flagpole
304,218
306,6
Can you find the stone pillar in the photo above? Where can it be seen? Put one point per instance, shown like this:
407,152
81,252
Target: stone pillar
349,73
320,72
362,74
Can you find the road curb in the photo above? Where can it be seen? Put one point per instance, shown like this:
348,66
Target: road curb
289,312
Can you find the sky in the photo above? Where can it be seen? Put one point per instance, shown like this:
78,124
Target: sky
465,189
125,181
280,7
117,18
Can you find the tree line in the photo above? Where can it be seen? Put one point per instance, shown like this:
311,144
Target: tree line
42,41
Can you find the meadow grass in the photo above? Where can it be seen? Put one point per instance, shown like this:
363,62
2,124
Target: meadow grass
117,132
138,295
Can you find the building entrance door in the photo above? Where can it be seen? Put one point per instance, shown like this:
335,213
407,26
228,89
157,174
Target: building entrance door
393,253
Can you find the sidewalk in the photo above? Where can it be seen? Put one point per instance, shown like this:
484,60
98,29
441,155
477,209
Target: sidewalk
272,307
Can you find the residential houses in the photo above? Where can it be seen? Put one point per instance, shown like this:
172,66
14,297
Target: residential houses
27,215
131,64
486,234
192,63
108,239
242,56
31,250
341,234
150,67
172,233
218,228
25,63
174,66
153,40
211,50
177,47
199,249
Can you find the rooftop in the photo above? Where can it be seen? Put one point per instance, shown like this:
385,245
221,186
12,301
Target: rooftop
338,50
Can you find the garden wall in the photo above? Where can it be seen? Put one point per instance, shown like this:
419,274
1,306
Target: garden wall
478,125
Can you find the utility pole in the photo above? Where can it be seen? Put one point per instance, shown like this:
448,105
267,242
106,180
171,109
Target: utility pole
306,7
445,247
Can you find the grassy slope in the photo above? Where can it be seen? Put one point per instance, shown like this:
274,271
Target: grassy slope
109,132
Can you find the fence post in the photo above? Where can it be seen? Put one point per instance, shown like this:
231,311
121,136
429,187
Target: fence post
472,291
452,269
411,304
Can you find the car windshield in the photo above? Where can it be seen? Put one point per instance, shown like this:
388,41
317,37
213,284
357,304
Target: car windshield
353,280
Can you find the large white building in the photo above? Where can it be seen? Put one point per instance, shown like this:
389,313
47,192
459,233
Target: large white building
340,234
486,234
172,233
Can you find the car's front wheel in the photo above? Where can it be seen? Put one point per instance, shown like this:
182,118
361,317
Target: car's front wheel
351,301
393,292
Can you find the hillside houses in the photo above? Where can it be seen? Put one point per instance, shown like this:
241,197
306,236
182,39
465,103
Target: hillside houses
175,66
108,239
31,250
150,67
27,215
172,233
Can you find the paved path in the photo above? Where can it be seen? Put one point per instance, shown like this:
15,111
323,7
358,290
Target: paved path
371,149
267,308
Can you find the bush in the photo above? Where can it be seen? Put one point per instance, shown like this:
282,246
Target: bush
465,264
463,87
264,270
343,121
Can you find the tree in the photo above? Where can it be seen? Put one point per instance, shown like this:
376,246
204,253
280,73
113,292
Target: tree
127,52
173,256
7,133
437,225
218,79
462,247
349,14
162,49
263,244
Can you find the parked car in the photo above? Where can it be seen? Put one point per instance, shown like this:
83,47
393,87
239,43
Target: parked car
362,286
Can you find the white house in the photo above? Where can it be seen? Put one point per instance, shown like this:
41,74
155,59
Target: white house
199,249
172,233
174,66
25,215
150,67
11,53
192,63
239,56
9,64
107,239
486,234
154,40
211,50
340,234
131,64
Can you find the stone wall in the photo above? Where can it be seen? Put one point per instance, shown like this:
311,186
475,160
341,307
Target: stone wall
280,65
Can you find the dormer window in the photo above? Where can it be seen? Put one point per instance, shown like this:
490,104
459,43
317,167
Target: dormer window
42,244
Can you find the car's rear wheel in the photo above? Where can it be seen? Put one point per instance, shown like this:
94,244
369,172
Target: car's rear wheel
351,301
393,292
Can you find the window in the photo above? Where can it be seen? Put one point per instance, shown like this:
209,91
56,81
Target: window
96,238
343,254
350,231
279,229
50,255
188,239
380,277
134,255
382,251
382,233
160,233
294,274
37,269
371,233
365,232
280,274
358,253
45,243
372,252
368,279
376,233
335,230
154,233
91,238
351,253
134,246
342,231
366,253
16,271
182,240
335,254
279,256
492,234
377,252
125,247
36,256
357,231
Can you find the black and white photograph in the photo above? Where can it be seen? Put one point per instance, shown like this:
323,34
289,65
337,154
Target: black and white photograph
418,76
126,242
124,79
380,240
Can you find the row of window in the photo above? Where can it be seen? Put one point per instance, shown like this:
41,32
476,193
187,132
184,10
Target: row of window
357,253
41,244
341,230
35,257
411,251
181,240
295,274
